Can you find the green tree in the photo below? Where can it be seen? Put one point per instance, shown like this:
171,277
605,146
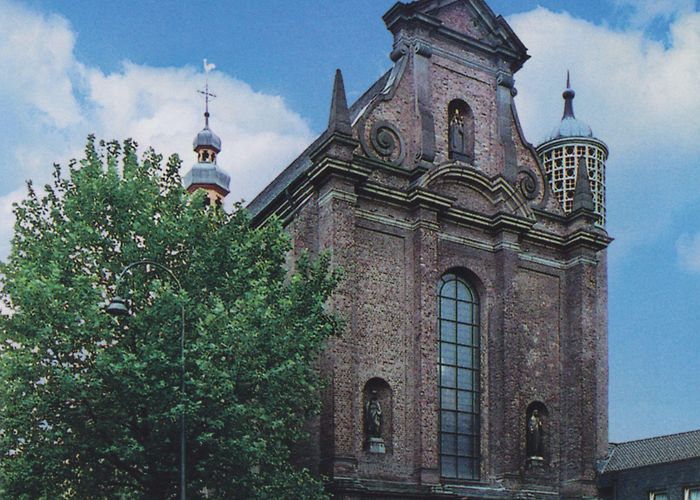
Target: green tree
90,403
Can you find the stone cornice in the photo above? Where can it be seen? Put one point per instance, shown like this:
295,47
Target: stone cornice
372,164
586,239
334,166
583,237
334,141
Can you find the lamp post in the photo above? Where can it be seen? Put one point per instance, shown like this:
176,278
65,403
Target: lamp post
118,307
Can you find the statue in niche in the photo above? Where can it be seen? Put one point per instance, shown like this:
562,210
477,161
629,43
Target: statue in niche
458,136
373,416
373,424
535,442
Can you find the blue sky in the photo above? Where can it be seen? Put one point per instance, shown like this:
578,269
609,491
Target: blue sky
131,68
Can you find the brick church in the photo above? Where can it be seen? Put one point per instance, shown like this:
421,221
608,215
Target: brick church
474,359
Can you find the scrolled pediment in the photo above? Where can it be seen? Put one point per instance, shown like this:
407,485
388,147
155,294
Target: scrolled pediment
474,191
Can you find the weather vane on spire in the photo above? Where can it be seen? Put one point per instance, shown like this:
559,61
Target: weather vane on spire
207,68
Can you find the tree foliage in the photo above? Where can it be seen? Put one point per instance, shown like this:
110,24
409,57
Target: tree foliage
90,403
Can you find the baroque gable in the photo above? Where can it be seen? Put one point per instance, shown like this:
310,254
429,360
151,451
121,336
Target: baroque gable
448,99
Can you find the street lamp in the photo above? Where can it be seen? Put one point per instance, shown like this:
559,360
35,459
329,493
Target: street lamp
118,307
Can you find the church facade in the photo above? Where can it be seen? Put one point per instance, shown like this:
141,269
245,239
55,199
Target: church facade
473,362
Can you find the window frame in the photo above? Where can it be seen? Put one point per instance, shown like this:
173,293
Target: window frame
459,379
653,494
690,489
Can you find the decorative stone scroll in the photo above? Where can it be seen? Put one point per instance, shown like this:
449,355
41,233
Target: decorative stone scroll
387,143
528,184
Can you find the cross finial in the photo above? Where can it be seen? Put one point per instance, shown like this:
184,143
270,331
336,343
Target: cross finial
207,68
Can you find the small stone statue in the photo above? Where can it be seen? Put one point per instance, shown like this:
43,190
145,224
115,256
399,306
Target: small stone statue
535,441
373,416
458,142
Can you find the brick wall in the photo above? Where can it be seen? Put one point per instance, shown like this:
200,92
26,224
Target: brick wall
397,216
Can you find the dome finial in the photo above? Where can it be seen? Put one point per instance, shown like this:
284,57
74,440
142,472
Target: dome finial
568,95
207,140
207,68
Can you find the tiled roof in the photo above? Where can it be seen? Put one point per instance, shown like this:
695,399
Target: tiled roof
652,451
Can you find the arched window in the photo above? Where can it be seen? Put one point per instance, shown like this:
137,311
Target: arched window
458,362
460,128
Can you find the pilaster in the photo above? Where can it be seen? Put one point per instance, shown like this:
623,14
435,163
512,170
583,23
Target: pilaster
422,81
339,420
581,375
504,374
425,242
505,90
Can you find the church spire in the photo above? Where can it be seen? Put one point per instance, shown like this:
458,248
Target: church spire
568,95
207,68
339,119
207,144
206,174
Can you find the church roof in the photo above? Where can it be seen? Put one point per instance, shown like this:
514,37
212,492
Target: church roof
207,174
653,451
570,126
207,138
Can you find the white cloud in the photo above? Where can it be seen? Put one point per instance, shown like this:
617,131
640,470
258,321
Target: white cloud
631,89
640,97
688,251
37,63
8,220
51,101
161,108
644,12
40,109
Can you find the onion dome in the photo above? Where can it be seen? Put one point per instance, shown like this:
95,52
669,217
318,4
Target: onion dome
207,138
570,126
206,174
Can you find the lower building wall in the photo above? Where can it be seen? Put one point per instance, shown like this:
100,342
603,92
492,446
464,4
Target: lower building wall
672,478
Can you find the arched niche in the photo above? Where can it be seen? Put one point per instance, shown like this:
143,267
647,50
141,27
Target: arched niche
377,391
460,126
537,432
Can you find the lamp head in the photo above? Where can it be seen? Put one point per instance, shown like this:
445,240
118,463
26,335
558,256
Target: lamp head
117,307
